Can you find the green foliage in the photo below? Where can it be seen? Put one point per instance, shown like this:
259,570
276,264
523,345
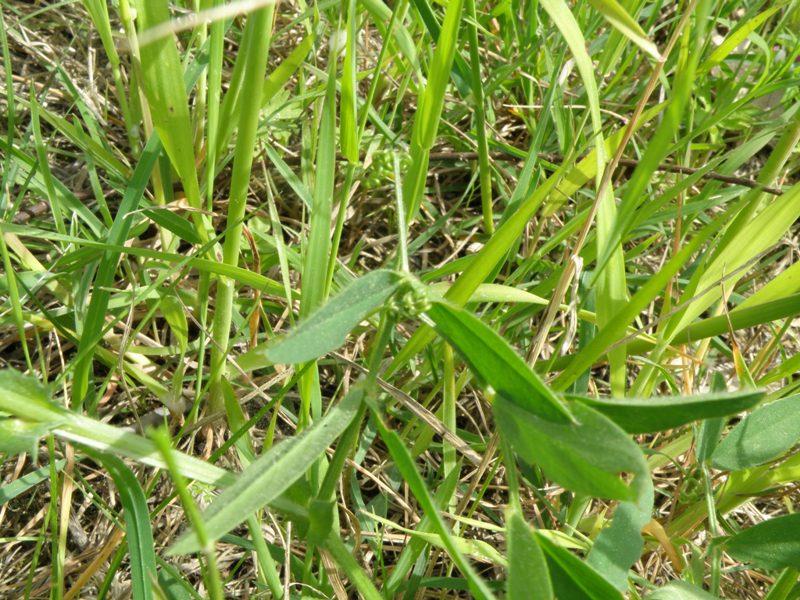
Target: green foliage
761,436
326,328
433,298
496,365
772,544
666,412
272,473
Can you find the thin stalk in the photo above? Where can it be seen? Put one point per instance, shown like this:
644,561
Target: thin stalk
480,120
212,576
266,564
57,562
13,296
449,413
256,65
213,101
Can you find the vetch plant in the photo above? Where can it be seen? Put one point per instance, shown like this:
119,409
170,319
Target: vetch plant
408,299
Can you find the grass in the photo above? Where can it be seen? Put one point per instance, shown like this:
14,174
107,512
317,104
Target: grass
399,300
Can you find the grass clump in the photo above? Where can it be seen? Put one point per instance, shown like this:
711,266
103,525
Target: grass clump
409,299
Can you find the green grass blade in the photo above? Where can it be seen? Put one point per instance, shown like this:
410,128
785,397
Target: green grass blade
405,465
162,76
619,18
96,313
259,23
426,121
137,525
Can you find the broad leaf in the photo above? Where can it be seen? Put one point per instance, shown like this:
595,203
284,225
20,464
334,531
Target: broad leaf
645,415
495,364
587,456
326,328
760,437
528,575
272,473
772,544
572,578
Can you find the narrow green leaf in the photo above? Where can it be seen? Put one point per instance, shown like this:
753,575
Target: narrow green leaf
284,71
174,223
163,83
414,548
96,313
754,237
139,534
528,576
772,544
19,486
348,119
495,363
619,18
327,328
493,292
405,464
25,398
765,434
646,415
175,313
429,112
272,473
747,27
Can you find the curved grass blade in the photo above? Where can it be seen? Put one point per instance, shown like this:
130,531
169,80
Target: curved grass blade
618,17
429,113
96,313
405,464
163,83
137,525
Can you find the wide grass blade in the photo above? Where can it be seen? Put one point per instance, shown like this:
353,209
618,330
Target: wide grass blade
272,473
